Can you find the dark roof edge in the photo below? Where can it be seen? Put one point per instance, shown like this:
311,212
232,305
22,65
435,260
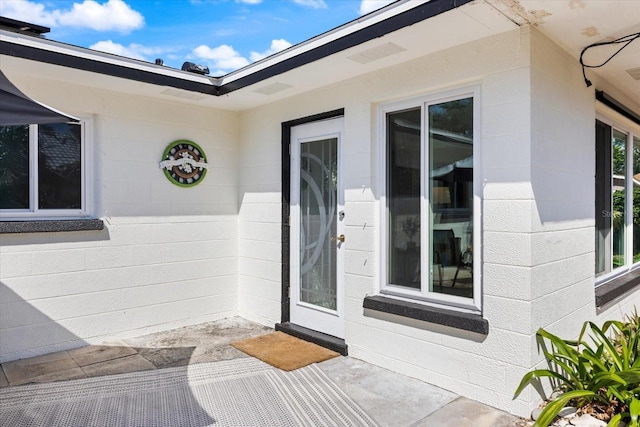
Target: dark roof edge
617,106
412,16
389,25
23,27
85,64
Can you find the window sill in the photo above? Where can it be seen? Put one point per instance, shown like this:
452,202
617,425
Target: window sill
440,316
616,288
48,226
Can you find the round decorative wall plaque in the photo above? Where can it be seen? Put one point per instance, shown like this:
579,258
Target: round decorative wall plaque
184,163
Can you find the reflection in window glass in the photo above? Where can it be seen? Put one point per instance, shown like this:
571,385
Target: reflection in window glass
451,196
431,163
59,171
14,167
636,199
318,203
619,156
40,167
403,195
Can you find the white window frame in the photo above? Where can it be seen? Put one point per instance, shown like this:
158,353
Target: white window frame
423,296
33,212
632,130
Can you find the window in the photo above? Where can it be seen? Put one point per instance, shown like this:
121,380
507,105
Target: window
429,200
42,170
617,198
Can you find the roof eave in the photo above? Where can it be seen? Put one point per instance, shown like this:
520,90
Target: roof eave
393,17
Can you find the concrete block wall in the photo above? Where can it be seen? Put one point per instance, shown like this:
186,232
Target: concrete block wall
630,303
562,279
260,218
167,256
483,368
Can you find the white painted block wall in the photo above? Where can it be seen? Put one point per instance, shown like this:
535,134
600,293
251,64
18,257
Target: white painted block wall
172,256
483,368
537,164
168,255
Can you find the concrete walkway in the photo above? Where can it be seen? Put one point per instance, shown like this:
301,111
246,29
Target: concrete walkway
391,399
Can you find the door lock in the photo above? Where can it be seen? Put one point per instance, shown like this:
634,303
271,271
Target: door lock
340,238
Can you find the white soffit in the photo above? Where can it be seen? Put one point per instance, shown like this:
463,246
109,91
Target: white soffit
435,34
576,24
272,88
368,20
376,53
97,56
184,94
634,73
463,24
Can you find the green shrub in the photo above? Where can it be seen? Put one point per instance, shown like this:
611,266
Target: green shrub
600,369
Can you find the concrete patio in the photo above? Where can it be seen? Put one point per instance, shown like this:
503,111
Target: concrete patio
389,398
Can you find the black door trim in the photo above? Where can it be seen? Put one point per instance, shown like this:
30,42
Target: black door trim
286,189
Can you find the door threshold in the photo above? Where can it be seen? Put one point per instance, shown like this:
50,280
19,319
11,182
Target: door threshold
327,341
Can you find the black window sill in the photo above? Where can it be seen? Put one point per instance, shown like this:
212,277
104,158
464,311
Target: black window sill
617,288
440,316
48,226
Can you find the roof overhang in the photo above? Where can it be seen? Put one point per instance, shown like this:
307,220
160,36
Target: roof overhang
577,24
375,41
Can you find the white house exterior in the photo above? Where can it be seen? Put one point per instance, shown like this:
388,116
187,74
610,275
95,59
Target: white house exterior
452,144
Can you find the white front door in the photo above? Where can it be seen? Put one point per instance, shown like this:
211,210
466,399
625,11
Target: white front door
317,228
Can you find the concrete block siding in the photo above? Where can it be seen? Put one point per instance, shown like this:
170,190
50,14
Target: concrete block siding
489,368
133,277
171,256
167,256
537,215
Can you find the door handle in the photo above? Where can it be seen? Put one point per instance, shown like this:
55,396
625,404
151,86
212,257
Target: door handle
340,238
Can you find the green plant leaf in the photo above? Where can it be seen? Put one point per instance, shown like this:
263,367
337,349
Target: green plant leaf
634,412
603,364
615,420
609,346
631,376
551,410
537,374
565,357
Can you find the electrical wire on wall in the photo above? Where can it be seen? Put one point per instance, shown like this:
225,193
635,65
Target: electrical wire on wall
624,41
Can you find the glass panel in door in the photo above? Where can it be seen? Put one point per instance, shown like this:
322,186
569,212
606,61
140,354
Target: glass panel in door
318,202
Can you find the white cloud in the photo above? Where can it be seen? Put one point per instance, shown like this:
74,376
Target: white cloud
223,58
27,11
367,6
249,1
134,50
114,15
315,4
276,46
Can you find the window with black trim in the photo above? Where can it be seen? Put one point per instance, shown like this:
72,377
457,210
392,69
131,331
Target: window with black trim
430,200
617,198
42,171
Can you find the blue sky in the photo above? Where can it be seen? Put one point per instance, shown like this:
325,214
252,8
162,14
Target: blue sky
222,34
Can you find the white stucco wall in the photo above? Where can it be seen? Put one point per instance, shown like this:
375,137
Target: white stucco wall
537,165
483,368
167,256
171,256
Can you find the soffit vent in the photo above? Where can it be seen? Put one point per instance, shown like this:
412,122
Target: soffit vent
635,73
193,96
272,88
376,53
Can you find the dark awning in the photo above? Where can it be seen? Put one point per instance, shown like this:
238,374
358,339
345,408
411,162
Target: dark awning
16,108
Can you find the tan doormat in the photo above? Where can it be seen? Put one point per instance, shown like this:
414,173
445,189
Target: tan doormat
284,351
